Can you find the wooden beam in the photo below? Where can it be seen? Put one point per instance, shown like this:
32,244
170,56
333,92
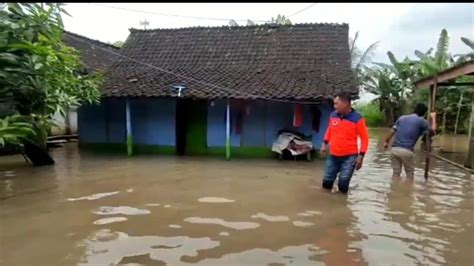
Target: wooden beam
448,74
431,108
470,151
439,157
456,84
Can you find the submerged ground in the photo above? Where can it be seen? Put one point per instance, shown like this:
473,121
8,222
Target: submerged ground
154,210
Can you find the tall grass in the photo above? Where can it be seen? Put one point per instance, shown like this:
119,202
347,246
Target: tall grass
372,114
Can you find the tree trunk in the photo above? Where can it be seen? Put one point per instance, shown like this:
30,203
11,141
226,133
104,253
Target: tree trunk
470,157
458,113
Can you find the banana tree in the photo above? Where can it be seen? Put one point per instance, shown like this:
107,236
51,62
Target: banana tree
461,58
15,130
389,89
360,59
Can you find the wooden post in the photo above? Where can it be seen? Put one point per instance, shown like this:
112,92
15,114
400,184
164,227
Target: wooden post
67,122
431,108
227,131
470,152
128,128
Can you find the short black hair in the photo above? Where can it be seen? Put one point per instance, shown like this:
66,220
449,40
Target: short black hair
420,109
345,96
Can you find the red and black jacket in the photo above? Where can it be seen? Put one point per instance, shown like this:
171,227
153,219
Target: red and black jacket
342,134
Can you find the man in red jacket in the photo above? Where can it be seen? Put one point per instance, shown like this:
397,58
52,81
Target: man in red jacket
345,126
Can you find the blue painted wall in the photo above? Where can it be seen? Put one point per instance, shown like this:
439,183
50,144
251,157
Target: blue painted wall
102,123
153,122
260,127
116,120
216,124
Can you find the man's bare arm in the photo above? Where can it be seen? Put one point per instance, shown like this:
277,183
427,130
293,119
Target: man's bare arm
389,138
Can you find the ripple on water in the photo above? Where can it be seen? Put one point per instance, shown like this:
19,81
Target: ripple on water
215,200
9,173
174,226
233,225
294,255
125,210
302,224
110,220
109,248
94,196
152,204
270,218
224,233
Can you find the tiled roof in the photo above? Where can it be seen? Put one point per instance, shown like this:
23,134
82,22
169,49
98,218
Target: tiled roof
92,57
303,61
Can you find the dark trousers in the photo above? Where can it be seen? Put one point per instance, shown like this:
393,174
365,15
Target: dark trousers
342,165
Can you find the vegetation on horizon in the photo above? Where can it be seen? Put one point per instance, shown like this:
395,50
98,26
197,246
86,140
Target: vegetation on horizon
393,84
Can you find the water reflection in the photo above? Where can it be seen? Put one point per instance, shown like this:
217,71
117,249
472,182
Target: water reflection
110,220
207,211
233,225
94,196
109,248
126,210
215,200
270,218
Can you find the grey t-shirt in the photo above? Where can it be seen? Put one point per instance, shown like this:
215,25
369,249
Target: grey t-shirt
409,128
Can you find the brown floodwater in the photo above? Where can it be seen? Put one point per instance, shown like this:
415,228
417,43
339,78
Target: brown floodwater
92,209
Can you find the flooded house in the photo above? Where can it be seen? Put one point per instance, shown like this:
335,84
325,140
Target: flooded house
96,58
219,90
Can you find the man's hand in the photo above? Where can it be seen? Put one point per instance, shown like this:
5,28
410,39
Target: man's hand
434,125
359,162
385,146
323,150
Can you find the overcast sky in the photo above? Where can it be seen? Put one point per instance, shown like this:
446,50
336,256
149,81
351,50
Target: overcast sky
398,27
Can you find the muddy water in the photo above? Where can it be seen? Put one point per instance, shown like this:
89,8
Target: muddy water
154,210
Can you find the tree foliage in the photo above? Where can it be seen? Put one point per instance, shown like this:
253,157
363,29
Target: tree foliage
118,44
360,60
393,84
280,20
39,75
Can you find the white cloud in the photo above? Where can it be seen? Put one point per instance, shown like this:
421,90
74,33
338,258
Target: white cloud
399,27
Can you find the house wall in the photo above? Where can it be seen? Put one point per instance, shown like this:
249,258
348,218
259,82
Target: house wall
153,123
260,127
60,123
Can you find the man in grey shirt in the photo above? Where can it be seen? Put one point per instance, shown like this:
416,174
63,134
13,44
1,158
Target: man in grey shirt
407,130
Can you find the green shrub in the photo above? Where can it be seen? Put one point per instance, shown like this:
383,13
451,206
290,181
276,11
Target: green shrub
371,113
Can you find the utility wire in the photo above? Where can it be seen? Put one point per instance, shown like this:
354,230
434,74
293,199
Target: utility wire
172,15
190,78
302,10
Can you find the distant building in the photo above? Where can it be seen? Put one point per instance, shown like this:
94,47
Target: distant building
172,92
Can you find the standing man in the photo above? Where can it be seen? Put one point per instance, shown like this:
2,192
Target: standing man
345,126
407,130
